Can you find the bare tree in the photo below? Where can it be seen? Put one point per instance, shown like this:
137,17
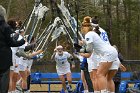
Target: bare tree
8,8
109,18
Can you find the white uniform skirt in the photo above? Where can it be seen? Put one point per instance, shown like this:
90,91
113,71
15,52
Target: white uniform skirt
62,70
22,64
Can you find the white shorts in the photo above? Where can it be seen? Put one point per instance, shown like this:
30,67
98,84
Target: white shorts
63,70
29,64
110,56
115,65
22,64
29,68
15,69
22,67
96,60
12,68
90,63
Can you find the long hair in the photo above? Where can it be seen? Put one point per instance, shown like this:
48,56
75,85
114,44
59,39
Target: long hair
12,24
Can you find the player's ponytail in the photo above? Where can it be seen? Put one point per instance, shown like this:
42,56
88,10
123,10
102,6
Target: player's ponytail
86,24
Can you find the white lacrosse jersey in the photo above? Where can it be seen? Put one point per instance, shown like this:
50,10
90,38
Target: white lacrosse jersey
62,60
99,46
62,64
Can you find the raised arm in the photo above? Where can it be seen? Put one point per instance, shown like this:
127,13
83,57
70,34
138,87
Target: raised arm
54,53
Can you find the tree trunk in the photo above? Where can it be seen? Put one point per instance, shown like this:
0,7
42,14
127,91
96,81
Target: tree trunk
125,28
129,29
109,19
8,8
118,31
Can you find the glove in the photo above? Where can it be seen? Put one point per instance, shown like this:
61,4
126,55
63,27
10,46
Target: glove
34,57
39,56
77,47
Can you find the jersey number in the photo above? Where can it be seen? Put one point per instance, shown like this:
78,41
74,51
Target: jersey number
104,36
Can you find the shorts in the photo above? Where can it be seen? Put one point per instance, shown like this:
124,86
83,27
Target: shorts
110,56
90,63
22,64
22,67
115,65
63,71
96,60
12,68
15,69
29,68
29,64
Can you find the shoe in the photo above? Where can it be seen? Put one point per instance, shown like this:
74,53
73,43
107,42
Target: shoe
69,88
18,87
26,91
17,91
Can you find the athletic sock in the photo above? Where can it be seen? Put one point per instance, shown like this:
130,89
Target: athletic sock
12,92
96,91
104,91
108,91
85,91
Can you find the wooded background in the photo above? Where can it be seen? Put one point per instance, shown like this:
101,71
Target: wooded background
120,18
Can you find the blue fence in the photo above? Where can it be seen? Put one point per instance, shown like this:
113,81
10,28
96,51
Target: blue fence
37,78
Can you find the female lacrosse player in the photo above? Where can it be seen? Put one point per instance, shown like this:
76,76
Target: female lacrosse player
63,66
104,37
92,58
107,52
22,63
